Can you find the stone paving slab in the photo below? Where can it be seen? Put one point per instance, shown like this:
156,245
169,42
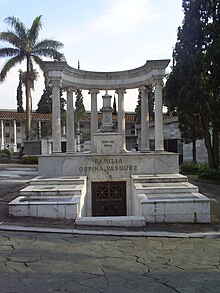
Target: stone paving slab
42,262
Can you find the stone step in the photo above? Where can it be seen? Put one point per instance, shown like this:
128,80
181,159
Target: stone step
165,188
52,190
58,181
118,221
175,208
174,197
157,178
56,207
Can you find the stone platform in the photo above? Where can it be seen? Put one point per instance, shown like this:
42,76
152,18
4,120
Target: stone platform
58,198
169,199
150,199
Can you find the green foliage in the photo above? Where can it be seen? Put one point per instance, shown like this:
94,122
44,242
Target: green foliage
150,105
206,173
45,103
191,167
138,110
79,101
79,107
20,108
114,112
192,89
202,170
31,160
5,153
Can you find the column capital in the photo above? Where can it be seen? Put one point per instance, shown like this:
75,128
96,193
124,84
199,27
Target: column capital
56,82
158,82
94,91
70,89
144,88
120,91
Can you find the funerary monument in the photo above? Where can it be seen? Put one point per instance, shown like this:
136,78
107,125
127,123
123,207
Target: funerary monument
109,185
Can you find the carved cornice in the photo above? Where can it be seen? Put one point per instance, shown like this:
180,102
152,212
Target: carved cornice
89,80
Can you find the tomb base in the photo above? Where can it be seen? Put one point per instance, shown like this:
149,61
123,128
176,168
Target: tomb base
125,184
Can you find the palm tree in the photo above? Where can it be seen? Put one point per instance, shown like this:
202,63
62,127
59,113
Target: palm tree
26,47
30,77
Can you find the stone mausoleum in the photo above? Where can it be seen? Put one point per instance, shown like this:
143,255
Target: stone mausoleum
110,185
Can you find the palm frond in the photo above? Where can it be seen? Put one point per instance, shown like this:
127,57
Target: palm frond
49,53
11,38
31,76
33,32
39,62
48,44
9,64
9,52
18,26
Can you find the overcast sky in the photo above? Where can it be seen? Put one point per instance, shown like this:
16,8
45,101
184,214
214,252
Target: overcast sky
105,35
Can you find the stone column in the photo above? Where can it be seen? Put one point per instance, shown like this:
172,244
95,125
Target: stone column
70,129
94,118
159,144
15,138
56,121
3,141
39,129
121,115
144,120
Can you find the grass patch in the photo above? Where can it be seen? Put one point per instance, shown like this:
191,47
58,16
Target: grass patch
31,160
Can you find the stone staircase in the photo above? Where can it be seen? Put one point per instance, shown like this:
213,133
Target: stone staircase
51,198
169,198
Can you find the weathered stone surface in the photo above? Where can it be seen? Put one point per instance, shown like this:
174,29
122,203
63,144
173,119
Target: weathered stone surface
66,263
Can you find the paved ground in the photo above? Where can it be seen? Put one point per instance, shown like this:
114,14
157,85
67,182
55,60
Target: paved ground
31,262
56,262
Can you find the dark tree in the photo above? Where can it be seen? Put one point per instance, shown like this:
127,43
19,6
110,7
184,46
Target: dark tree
79,101
138,109
192,89
79,106
114,112
20,108
150,105
45,103
45,107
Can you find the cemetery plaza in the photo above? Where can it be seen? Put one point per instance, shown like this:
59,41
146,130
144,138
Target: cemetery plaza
179,258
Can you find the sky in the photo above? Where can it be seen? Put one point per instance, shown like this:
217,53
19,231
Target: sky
104,35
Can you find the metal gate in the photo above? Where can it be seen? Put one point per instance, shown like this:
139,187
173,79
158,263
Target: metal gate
109,198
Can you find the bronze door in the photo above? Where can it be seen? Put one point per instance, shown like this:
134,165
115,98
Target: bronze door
109,198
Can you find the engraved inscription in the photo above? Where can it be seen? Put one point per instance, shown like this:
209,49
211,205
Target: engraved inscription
108,165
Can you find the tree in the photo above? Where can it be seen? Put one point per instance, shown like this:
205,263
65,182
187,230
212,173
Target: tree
20,108
114,112
26,47
150,105
45,103
45,106
192,88
79,106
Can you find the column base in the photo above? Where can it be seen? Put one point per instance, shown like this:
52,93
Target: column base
56,152
70,152
15,148
159,151
145,150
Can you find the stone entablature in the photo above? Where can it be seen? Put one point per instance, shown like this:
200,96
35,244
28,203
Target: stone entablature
127,79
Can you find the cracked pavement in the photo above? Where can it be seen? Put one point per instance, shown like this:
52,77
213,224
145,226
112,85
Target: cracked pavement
40,262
